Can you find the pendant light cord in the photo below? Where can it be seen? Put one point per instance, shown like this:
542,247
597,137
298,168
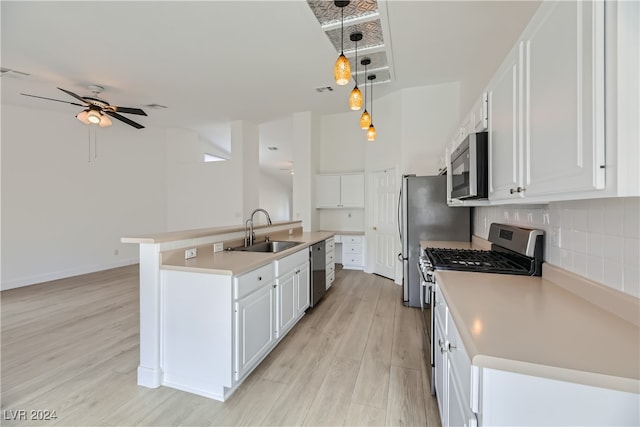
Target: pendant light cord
356,74
342,31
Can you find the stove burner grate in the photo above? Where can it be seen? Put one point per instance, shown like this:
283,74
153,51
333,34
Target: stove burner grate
480,261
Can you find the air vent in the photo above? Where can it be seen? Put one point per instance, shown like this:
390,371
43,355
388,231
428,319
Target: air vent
324,89
156,106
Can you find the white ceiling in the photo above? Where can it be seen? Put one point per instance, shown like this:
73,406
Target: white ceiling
211,62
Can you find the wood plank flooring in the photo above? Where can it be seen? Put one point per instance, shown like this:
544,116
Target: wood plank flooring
71,346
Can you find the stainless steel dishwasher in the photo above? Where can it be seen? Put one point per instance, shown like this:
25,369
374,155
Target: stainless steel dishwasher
317,256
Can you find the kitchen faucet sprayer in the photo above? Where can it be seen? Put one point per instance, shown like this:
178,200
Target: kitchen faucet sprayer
249,241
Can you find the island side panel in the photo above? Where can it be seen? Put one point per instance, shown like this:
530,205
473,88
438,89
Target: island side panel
196,331
149,370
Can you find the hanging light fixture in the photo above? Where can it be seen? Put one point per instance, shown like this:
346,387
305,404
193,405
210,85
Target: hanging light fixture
371,132
92,116
355,98
342,69
365,118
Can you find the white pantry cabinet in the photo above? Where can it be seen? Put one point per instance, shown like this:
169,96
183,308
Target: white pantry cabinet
340,190
546,106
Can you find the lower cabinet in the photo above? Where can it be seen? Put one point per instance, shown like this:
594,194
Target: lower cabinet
477,396
216,328
255,328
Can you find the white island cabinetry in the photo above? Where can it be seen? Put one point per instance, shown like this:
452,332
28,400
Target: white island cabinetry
216,328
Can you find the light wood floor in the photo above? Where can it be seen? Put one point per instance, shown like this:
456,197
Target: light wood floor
71,346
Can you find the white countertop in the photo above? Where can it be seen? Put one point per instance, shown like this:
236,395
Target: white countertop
535,326
237,262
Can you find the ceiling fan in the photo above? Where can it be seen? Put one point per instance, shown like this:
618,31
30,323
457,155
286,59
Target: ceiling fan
96,110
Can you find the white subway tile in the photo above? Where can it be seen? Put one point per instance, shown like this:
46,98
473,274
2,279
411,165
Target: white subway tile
580,242
613,248
595,244
566,220
613,274
631,251
631,280
566,258
580,221
553,255
595,216
580,264
566,239
613,216
631,226
595,268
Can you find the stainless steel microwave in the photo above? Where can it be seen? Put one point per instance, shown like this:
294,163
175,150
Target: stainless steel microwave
469,168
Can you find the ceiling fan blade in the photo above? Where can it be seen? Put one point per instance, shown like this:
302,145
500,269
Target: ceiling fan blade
78,97
123,119
52,99
128,110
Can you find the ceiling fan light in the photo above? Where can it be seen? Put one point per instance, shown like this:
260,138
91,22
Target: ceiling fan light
355,99
342,70
104,121
93,116
371,133
365,120
82,116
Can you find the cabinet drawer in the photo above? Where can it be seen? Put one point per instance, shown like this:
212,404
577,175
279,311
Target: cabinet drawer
330,278
249,282
351,239
331,267
330,257
288,263
352,259
351,249
330,244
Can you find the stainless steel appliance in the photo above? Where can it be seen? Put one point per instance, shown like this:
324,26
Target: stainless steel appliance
514,250
423,214
469,168
317,257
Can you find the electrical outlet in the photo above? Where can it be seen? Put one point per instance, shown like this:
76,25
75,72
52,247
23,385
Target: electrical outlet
190,253
290,231
556,237
218,247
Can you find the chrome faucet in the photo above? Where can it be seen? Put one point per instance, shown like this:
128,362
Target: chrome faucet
248,241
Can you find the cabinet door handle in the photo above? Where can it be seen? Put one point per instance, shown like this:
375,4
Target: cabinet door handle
512,190
520,189
259,278
451,347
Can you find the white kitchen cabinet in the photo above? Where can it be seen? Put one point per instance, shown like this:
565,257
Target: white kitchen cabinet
330,258
353,252
480,114
340,191
255,328
292,289
546,116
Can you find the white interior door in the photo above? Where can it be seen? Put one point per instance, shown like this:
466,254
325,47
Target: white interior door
384,230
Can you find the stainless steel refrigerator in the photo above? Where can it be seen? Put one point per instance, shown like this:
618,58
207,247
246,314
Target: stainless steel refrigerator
423,214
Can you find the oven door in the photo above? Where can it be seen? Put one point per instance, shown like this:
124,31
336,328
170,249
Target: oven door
426,305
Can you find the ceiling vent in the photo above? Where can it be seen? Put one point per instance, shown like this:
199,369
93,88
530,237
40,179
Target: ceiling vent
156,106
324,89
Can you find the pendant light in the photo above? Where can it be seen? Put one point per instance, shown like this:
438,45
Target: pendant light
342,69
371,132
355,98
365,118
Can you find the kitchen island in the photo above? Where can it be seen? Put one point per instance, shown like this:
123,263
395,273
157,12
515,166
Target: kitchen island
557,349
191,309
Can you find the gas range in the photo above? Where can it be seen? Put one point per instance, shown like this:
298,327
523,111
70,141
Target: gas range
514,250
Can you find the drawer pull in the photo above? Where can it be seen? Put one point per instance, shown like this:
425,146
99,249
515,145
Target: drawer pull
259,277
452,347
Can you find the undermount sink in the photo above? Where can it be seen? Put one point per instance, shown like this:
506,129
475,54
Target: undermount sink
271,247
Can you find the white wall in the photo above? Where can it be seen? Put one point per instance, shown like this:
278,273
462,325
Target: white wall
64,212
275,197
198,194
598,239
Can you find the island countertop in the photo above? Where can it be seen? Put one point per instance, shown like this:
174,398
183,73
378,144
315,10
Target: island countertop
237,262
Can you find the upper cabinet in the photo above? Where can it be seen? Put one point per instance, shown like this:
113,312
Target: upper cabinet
546,106
340,191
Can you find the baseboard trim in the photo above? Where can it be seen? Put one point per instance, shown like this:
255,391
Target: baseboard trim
47,277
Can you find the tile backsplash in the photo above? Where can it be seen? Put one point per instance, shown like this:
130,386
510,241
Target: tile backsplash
598,239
